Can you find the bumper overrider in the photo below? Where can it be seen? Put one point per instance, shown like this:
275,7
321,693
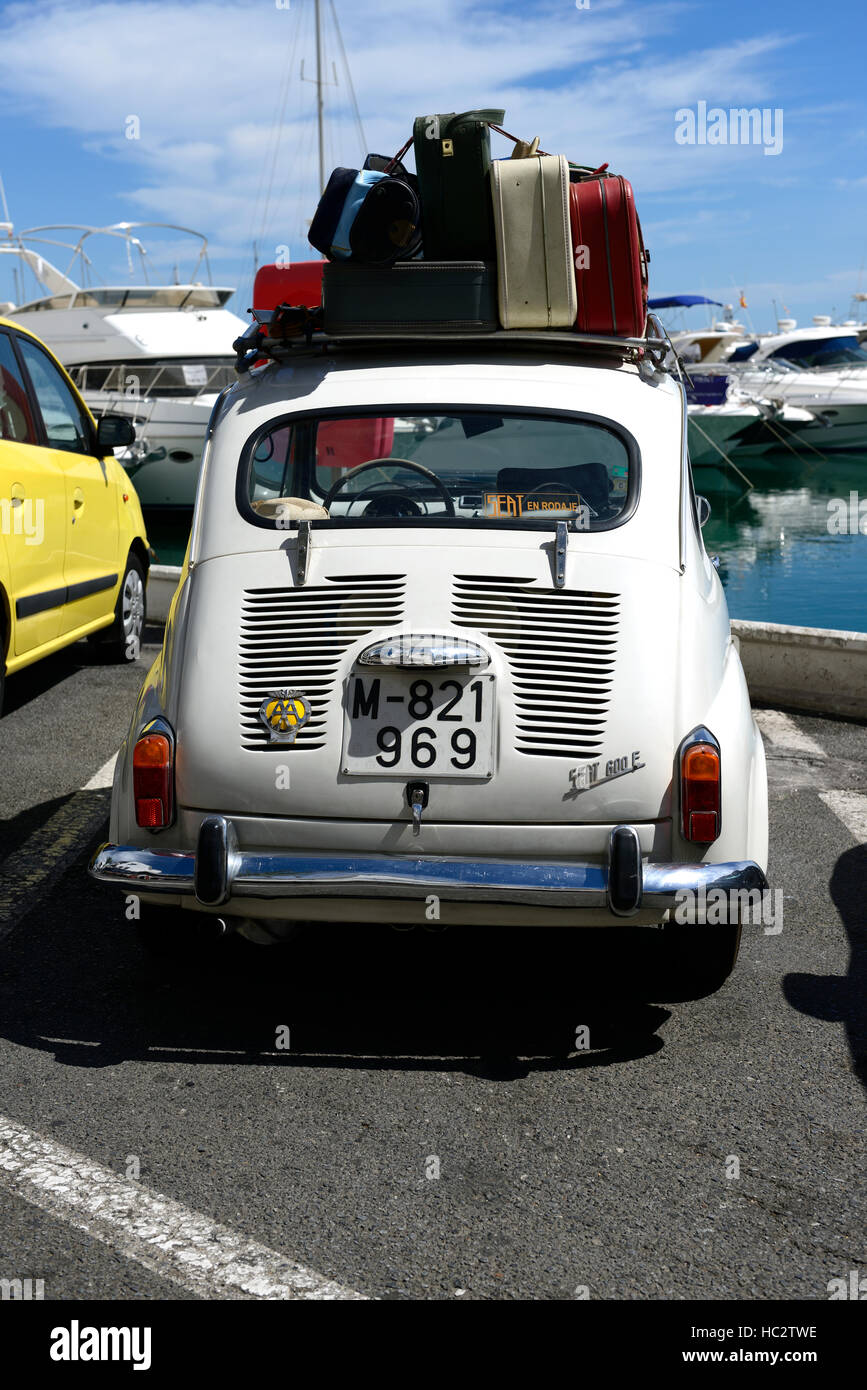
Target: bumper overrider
220,871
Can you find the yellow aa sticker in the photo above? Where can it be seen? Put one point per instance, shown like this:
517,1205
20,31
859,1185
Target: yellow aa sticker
283,714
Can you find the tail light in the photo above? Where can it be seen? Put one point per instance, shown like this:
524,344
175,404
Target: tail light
152,780
700,801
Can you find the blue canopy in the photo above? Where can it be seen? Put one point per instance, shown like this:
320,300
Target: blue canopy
682,301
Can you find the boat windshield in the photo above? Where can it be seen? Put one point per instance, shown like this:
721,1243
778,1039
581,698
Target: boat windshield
136,297
823,352
469,465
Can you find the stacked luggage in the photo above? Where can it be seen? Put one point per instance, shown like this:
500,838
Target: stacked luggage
468,243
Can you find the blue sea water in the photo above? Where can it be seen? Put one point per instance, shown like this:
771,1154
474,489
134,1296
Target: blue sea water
783,555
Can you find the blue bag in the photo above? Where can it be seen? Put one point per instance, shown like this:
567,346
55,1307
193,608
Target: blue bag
340,248
327,216
372,216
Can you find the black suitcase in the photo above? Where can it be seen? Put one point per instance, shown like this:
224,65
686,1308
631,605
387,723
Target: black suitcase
452,159
410,297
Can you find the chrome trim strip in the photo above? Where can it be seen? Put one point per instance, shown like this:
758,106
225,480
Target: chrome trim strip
441,650
684,474
656,323
196,527
280,874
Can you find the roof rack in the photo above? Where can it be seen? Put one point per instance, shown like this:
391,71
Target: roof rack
256,344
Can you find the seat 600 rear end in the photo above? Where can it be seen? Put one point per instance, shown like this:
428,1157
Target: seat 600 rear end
447,633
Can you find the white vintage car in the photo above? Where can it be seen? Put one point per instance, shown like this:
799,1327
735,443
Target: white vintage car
447,644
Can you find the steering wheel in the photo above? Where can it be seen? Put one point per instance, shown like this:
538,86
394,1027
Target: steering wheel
384,499
401,463
542,487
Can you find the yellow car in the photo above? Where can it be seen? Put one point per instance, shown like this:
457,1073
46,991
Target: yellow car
73,547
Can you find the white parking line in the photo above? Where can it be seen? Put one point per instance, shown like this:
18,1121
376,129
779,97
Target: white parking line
159,1233
784,733
103,778
851,809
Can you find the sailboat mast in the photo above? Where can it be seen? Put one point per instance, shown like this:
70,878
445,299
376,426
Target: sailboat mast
320,101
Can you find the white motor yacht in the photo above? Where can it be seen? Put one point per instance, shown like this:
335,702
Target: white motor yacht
160,353
821,369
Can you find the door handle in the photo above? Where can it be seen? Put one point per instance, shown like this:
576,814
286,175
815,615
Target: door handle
17,494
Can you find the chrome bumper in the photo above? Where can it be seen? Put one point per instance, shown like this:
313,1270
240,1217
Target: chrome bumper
220,871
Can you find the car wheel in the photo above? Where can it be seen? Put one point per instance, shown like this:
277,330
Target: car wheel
696,961
124,637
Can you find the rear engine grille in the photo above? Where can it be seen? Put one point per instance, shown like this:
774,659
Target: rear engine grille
294,639
561,647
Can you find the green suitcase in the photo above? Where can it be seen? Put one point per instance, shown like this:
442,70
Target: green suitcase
452,159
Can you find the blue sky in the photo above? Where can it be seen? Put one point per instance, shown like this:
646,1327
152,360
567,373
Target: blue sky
208,80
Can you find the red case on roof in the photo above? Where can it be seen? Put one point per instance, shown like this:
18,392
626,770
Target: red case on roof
299,283
612,274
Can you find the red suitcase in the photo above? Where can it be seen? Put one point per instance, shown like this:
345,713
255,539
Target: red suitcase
610,260
299,283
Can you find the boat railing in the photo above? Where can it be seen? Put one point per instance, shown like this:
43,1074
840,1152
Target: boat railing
148,380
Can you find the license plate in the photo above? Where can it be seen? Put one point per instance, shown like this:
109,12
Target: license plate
405,725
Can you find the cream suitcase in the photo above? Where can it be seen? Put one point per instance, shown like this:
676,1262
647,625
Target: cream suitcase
536,275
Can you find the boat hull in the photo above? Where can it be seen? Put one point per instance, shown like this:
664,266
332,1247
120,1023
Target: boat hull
713,433
170,435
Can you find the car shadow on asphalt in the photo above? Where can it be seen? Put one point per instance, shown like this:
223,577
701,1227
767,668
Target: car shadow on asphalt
44,676
842,998
495,1003
17,830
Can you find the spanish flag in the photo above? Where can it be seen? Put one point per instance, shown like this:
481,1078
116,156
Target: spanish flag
743,301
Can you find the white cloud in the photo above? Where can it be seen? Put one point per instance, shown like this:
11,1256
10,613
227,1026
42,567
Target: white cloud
208,78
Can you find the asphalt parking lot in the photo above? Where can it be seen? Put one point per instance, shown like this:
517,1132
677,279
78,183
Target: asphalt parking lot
431,1131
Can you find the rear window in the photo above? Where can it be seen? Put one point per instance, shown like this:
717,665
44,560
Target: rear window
455,466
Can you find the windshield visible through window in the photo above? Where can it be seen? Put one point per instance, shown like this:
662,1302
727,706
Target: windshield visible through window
824,352
470,465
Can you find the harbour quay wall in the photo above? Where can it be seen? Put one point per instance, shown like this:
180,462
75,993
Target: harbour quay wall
816,669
